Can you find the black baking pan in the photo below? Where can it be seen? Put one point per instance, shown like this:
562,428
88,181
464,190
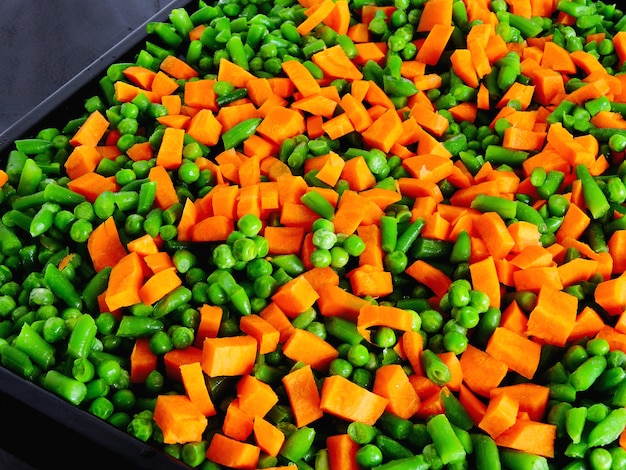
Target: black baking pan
66,101
39,430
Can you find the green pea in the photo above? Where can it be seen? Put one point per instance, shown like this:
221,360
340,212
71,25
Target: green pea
249,224
340,367
358,355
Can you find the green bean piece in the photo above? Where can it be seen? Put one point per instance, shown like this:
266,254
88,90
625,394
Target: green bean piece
486,452
609,429
435,368
519,460
446,442
298,443
66,387
82,336
362,433
38,349
595,200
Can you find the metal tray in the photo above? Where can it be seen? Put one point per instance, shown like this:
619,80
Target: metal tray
37,426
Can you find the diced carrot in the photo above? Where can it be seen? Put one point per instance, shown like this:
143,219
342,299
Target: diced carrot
335,63
178,419
303,395
195,387
481,371
267,436
232,453
500,415
611,295
392,383
519,353
514,319
159,285
266,335
229,356
165,191
529,436
209,323
304,346
436,40
371,281
335,301
91,131
315,15
256,398
237,424
104,245
532,398
172,360
363,405
342,452
430,276
142,360
125,281
383,315
82,160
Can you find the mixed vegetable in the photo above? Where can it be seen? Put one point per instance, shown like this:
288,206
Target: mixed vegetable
337,235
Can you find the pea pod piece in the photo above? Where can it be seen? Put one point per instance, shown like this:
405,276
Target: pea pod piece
62,287
609,429
179,296
595,199
96,286
518,460
18,361
436,370
416,462
583,377
391,448
66,387
454,410
82,337
486,452
30,178
298,443
38,349
362,433
138,327
10,243
240,132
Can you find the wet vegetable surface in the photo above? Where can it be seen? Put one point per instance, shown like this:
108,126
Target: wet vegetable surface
273,207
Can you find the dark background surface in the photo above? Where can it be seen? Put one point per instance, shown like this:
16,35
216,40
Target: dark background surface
43,46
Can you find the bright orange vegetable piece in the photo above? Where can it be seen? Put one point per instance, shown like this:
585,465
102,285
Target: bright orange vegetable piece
529,436
195,386
228,355
342,452
92,130
392,383
302,345
232,453
481,371
142,360
500,415
179,419
125,282
303,395
267,436
519,353
165,191
266,335
256,398
363,405
104,245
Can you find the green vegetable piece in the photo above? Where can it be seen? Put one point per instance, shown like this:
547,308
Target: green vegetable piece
66,387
